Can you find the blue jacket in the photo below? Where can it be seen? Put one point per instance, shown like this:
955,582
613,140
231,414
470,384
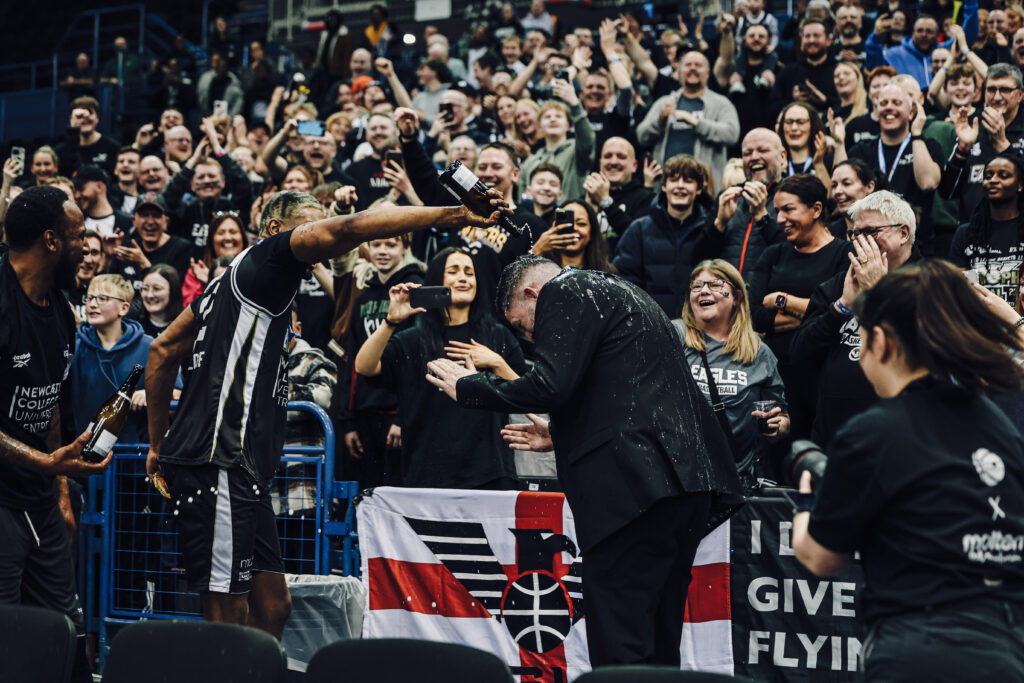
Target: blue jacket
657,252
907,59
96,373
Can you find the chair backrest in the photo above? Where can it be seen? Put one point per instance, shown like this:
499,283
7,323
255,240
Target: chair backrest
398,660
654,674
194,652
37,645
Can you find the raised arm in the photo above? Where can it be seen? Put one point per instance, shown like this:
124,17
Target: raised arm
927,173
387,70
331,237
637,53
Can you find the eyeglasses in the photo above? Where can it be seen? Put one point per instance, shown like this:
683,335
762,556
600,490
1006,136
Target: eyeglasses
101,298
717,286
796,122
869,232
1005,91
229,214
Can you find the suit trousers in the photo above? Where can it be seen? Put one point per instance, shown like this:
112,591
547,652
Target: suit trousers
635,583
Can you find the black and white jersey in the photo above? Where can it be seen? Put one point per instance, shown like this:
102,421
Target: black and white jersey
233,408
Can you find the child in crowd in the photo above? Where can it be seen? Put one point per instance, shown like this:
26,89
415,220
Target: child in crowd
107,346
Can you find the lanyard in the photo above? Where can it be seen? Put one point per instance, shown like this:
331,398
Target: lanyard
896,161
807,165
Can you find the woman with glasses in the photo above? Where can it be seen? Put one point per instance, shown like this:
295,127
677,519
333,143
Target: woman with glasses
227,239
785,276
443,444
161,298
926,485
804,139
723,350
991,244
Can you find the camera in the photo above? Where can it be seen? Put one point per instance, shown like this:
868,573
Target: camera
805,456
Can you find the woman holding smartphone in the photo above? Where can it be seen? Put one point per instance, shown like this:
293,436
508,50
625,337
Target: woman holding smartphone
573,241
443,444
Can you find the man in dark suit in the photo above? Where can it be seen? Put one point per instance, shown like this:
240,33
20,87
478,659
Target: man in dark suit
643,463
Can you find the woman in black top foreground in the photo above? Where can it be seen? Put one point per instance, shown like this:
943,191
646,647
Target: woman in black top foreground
443,444
928,485
786,275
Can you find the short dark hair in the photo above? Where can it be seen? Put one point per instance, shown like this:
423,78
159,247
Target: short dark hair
809,190
686,166
85,102
126,149
32,213
489,61
504,148
510,278
547,168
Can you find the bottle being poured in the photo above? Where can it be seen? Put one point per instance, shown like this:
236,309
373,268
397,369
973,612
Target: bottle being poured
471,192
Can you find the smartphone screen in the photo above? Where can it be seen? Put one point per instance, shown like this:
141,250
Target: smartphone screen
220,107
563,216
393,156
314,129
430,297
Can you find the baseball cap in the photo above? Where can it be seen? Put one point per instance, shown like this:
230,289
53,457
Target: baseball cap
87,174
359,83
151,199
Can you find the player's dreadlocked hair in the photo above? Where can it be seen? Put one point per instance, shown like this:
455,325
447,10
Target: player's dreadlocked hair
285,205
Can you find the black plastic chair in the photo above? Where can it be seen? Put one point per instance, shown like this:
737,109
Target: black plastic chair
37,645
194,652
399,660
655,674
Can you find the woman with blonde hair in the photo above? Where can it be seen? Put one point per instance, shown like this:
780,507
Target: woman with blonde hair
731,365
853,96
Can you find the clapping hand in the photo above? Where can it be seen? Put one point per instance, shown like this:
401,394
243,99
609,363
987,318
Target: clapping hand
535,436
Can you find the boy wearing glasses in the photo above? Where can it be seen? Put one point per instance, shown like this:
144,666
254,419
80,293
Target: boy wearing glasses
107,346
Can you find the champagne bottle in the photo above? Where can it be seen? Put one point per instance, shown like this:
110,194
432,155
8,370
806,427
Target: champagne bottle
110,419
469,190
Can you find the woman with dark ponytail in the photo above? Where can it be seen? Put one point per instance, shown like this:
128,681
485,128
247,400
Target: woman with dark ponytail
928,484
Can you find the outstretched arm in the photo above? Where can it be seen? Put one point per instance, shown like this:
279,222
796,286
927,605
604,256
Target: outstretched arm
166,354
332,237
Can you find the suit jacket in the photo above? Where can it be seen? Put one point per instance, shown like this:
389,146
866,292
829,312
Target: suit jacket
629,425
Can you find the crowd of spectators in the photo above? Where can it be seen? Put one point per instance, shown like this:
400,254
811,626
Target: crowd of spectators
731,166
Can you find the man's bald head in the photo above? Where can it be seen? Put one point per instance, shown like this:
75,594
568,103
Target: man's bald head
763,155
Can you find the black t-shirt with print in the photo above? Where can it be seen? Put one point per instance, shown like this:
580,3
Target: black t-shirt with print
36,346
997,261
928,487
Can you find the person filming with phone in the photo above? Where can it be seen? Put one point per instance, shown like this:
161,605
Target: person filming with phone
443,444
928,484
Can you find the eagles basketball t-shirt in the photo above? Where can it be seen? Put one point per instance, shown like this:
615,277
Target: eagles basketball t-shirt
233,408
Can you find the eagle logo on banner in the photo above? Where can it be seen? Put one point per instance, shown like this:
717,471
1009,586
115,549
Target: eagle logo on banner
538,600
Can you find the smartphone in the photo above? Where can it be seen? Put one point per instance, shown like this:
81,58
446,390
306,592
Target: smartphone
220,107
562,74
430,297
18,153
447,110
565,216
313,129
393,156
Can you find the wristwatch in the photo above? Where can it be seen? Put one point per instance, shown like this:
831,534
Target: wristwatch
605,203
780,302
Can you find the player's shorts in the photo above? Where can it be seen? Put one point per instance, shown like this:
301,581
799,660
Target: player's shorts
226,527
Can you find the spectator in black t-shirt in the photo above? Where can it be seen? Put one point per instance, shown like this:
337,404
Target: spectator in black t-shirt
368,173
150,243
909,163
83,145
786,275
865,126
91,196
161,299
882,232
45,232
616,193
579,243
443,444
992,243
810,78
924,485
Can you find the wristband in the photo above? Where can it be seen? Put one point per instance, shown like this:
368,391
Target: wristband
390,323
962,151
844,310
614,60
916,137
1019,323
